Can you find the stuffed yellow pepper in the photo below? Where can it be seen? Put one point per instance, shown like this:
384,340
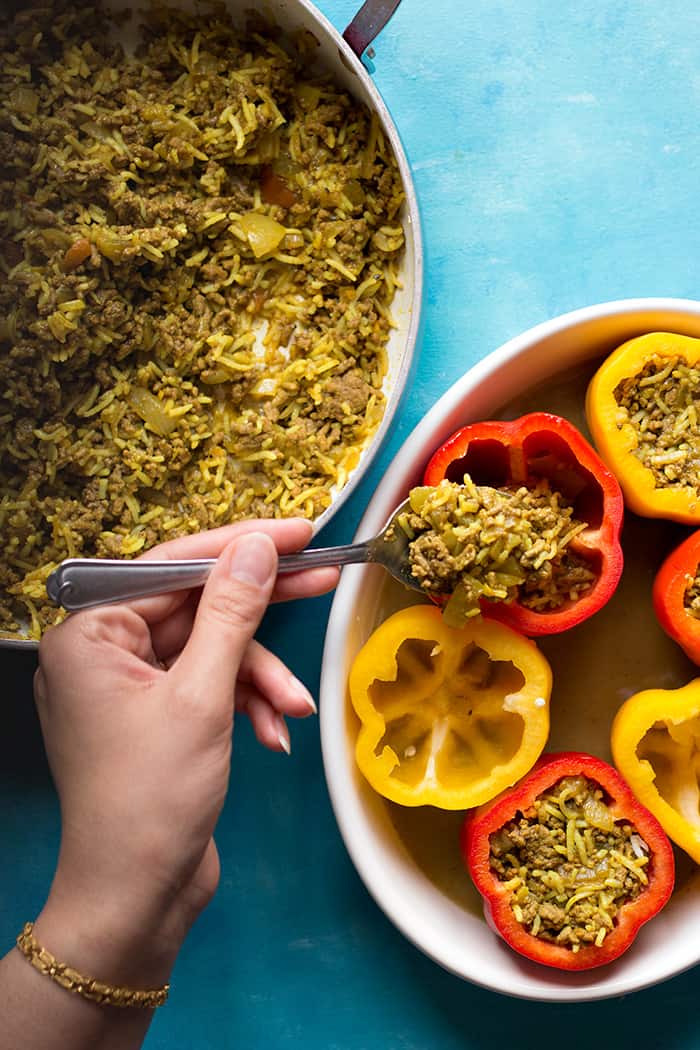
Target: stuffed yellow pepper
641,407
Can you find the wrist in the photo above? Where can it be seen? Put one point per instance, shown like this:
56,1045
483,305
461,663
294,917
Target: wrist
116,942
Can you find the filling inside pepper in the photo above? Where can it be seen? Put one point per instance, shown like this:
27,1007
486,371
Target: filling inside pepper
691,599
476,541
661,404
569,865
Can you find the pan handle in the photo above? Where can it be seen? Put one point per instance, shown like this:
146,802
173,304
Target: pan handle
368,23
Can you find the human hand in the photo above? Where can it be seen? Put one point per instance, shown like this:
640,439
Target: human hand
136,703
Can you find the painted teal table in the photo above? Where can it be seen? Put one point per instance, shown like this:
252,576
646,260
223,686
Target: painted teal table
556,152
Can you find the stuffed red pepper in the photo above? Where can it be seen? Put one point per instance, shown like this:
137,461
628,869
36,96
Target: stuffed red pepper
569,863
676,596
520,521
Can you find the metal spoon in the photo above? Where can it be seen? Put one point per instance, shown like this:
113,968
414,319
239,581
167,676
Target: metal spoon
79,583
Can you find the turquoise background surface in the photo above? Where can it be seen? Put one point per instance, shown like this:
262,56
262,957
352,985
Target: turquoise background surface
555,149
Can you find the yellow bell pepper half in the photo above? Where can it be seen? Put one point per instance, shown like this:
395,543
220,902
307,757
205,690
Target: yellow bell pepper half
449,716
615,437
656,747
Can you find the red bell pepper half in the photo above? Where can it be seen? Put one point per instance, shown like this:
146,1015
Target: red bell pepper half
522,452
499,896
668,594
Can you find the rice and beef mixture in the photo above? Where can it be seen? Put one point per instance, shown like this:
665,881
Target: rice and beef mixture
570,866
200,246
661,403
691,598
473,541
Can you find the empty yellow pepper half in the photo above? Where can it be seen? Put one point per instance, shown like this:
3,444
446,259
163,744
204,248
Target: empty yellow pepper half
616,433
656,747
449,716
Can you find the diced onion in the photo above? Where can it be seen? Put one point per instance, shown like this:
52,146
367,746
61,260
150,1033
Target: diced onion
264,234
308,95
24,101
597,814
151,411
639,846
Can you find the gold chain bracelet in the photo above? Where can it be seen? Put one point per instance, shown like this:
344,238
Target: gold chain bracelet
68,978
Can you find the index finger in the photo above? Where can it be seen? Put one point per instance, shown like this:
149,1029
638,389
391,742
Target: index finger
288,534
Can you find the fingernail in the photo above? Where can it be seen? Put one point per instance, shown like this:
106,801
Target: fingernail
252,559
312,704
300,690
283,736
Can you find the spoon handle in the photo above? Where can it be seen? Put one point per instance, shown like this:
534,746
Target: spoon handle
79,583
319,557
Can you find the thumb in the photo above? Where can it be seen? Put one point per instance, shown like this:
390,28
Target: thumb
234,599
